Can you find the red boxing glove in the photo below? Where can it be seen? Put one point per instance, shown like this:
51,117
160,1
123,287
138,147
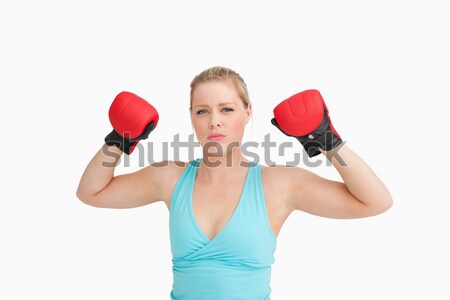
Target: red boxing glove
305,117
133,119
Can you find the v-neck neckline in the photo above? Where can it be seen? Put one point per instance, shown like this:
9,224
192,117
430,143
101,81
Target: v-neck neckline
191,206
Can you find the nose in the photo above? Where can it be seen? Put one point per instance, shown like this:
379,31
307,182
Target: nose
215,122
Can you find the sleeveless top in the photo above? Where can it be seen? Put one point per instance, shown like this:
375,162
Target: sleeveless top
236,264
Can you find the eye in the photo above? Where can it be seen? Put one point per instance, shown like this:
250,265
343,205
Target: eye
226,109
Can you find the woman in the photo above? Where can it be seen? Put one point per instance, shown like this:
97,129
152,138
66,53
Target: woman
226,211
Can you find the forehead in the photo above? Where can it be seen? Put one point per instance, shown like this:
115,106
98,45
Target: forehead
215,91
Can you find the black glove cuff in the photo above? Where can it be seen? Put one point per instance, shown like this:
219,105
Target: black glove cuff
115,139
322,137
327,141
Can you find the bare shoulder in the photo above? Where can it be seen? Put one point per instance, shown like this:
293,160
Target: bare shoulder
285,179
306,191
167,173
281,174
277,180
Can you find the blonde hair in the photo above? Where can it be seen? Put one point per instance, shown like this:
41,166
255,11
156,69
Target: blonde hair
222,73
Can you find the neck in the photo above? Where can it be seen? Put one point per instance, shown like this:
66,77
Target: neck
232,165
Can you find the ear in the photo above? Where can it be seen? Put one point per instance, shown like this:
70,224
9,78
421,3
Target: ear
248,112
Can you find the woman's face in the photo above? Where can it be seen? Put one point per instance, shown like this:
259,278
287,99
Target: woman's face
218,114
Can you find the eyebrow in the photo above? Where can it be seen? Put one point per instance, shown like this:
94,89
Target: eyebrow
220,104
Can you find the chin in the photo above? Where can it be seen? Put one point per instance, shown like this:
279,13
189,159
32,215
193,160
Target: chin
224,144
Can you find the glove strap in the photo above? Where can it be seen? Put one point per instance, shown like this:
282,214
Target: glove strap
327,141
115,139
126,144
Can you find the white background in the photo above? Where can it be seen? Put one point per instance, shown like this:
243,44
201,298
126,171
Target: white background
382,67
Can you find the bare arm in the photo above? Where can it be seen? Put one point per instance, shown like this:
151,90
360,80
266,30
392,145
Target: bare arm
362,194
100,188
360,180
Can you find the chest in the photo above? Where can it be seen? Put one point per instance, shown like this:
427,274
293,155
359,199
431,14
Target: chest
214,205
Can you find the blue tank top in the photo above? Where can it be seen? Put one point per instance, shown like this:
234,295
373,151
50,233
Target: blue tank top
236,264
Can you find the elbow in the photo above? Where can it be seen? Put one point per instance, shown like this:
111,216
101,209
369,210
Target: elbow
387,201
390,203
86,199
81,197
384,204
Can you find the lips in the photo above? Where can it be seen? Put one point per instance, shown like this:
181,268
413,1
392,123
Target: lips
216,137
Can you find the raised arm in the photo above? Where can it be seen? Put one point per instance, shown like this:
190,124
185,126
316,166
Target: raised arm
132,119
361,194
99,187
